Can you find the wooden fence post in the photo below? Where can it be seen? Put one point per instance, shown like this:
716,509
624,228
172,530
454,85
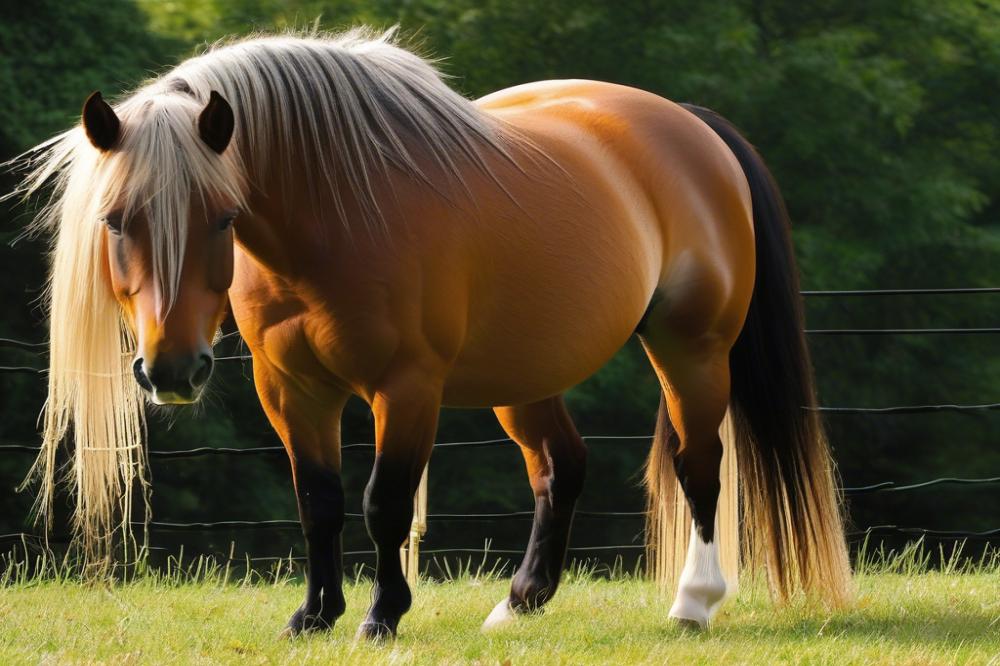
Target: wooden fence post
410,552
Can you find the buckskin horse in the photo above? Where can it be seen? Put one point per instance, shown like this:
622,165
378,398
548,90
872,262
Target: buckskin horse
377,234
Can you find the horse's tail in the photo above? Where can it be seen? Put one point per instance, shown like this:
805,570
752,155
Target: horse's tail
791,508
93,405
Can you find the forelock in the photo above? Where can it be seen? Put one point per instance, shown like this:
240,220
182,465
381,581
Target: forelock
161,163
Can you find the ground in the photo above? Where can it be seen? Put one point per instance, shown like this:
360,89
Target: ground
899,617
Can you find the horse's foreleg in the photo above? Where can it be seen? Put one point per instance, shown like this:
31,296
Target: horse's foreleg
320,498
556,458
309,427
405,424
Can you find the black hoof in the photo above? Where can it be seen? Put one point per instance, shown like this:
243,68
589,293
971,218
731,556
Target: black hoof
376,632
302,621
526,609
688,625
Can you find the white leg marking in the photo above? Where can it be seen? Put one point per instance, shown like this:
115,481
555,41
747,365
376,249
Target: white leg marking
500,616
702,586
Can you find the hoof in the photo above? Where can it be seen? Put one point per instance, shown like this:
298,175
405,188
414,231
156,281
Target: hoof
689,625
375,632
301,622
695,606
502,615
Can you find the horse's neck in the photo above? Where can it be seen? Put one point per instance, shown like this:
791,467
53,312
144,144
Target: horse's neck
284,235
286,221
290,227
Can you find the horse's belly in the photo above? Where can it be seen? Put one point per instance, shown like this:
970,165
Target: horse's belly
552,320
520,374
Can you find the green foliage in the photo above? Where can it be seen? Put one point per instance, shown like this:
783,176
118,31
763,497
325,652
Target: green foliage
879,120
56,53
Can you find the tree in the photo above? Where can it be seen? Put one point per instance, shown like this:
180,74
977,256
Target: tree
879,120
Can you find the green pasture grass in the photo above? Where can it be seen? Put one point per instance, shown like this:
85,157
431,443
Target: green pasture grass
201,613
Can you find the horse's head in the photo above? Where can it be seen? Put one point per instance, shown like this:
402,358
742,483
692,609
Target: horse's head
170,195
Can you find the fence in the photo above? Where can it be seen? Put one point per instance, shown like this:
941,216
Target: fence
422,519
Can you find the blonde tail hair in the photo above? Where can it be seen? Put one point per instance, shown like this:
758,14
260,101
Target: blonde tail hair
668,514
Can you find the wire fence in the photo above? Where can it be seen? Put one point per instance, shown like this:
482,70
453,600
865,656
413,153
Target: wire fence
876,488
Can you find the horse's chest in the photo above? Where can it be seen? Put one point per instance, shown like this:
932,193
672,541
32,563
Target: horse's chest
304,333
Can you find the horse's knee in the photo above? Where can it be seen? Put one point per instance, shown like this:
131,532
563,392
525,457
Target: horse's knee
568,468
388,505
320,495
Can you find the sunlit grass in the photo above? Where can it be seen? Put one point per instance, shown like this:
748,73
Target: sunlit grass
205,612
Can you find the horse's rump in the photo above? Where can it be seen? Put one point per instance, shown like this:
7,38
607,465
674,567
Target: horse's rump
566,258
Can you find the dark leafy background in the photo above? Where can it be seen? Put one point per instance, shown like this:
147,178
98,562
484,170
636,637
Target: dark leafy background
879,119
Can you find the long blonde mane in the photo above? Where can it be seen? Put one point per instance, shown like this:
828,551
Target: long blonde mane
350,107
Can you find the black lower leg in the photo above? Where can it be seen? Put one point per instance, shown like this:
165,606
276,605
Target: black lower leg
321,511
388,515
538,576
698,473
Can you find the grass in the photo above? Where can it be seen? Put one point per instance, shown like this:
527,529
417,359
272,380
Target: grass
904,614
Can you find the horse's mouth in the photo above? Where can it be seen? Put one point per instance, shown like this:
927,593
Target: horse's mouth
174,398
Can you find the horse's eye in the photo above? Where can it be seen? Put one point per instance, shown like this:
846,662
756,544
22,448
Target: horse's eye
114,224
226,221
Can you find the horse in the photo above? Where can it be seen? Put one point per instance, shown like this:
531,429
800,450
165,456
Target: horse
374,233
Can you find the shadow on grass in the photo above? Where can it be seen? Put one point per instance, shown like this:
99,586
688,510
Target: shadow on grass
929,622
907,627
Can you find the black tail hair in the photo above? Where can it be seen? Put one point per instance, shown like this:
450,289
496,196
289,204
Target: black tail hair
792,522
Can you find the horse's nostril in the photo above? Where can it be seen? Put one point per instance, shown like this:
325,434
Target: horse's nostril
140,375
203,370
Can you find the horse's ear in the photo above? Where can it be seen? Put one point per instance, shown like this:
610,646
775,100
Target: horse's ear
100,122
216,123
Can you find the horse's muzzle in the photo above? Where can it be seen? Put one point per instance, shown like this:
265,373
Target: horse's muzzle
174,380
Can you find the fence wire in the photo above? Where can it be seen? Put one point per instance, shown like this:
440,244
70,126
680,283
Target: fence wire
900,292
882,487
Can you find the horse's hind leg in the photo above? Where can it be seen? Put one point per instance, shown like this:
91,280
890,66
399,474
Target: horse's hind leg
694,375
555,457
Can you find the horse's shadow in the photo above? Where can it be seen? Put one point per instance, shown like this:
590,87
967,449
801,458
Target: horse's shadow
742,626
908,627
